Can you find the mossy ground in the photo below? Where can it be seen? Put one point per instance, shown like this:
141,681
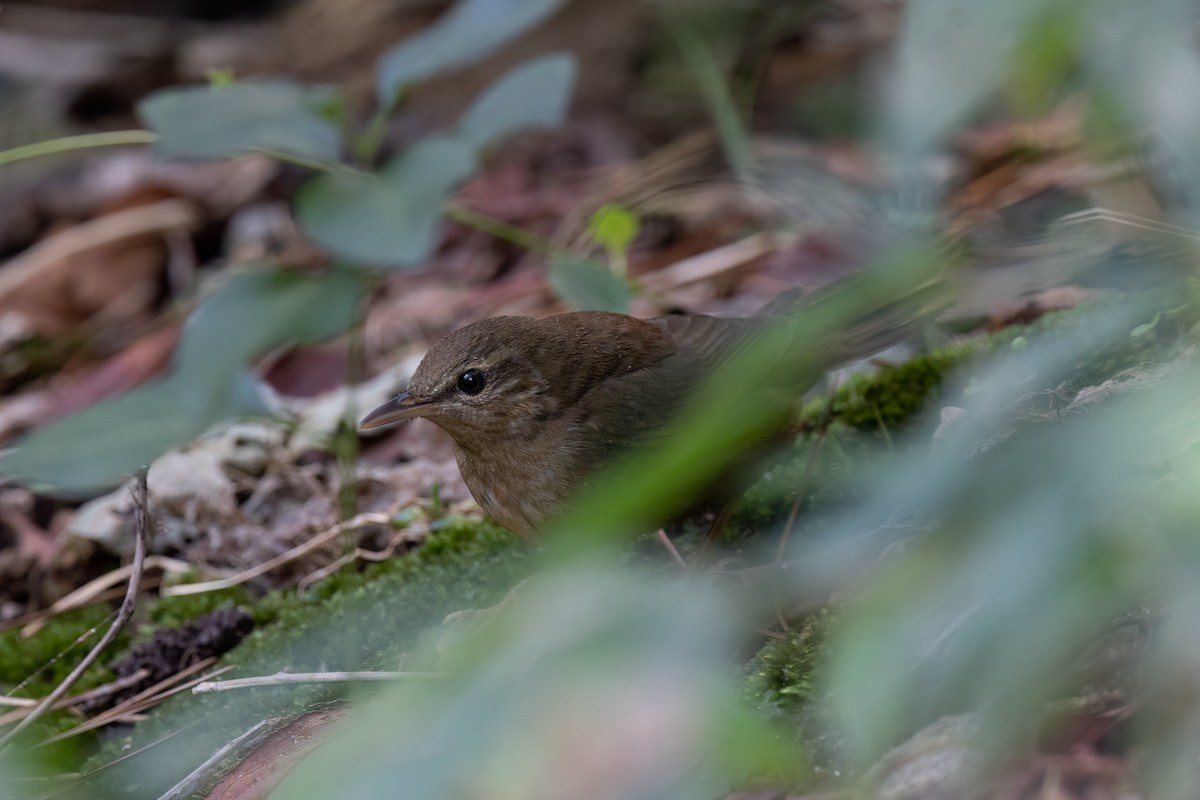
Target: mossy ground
364,620
371,618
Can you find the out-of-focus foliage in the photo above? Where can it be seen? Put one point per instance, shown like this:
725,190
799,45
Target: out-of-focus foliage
391,218
252,312
586,685
219,121
533,95
614,228
588,286
470,32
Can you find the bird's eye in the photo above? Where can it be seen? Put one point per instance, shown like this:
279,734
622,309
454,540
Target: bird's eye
472,381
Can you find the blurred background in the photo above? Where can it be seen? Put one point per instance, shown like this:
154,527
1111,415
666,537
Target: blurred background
228,230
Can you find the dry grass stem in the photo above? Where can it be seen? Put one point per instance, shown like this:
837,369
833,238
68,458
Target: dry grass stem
299,551
142,535
94,590
292,678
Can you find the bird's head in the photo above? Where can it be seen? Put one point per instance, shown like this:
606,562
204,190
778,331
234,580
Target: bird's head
474,380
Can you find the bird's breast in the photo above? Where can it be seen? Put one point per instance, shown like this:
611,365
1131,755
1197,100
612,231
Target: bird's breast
522,485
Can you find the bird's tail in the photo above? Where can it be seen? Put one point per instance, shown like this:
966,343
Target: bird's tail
883,325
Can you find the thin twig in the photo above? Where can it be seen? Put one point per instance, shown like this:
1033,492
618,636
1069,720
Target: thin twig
292,678
312,544
17,702
119,685
140,702
142,534
104,597
25,706
718,261
373,556
671,549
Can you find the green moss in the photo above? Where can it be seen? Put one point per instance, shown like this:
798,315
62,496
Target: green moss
782,675
34,666
350,621
41,662
894,395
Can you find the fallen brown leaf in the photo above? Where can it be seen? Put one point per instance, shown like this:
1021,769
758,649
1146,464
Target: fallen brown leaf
257,775
143,359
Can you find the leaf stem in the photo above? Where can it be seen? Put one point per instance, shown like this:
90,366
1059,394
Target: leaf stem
83,141
501,230
308,163
717,96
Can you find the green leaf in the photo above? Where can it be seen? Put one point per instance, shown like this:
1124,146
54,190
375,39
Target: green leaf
390,219
252,312
99,447
714,87
208,122
535,94
614,228
470,32
257,310
220,76
951,57
587,286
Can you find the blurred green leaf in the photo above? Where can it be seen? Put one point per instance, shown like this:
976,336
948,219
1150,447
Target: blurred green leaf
535,94
470,32
220,76
98,447
1145,54
717,97
1044,60
257,310
1029,550
253,312
952,56
614,228
208,122
626,669
588,286
390,219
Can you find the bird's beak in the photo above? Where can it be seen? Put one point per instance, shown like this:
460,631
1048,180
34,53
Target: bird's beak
401,407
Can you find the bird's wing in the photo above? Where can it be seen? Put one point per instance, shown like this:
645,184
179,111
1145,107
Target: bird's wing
707,338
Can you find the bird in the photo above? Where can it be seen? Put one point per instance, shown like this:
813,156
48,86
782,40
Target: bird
537,408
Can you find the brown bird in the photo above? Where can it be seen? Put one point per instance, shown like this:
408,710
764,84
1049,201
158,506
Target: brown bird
535,407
